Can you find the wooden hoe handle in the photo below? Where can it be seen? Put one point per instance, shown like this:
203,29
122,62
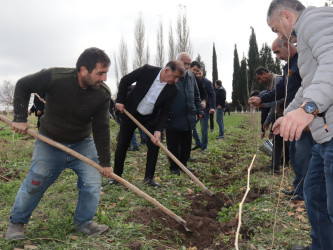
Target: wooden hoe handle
181,165
100,168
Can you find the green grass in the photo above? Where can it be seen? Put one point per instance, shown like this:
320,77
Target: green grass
222,169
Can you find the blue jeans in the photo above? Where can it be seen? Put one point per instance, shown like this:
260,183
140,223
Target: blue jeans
219,120
46,165
134,141
318,194
196,136
204,132
300,156
143,135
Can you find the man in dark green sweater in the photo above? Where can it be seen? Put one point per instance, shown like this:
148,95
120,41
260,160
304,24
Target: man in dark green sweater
77,104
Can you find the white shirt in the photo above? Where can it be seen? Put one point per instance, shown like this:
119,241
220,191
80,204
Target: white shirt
146,106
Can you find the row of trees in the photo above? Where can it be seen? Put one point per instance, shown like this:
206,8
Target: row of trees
243,79
142,56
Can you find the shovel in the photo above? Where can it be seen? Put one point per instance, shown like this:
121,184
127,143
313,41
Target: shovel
181,165
100,168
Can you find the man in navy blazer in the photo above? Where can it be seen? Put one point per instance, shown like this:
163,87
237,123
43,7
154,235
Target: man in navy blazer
149,102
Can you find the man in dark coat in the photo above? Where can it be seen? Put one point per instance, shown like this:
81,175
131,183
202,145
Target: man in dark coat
149,102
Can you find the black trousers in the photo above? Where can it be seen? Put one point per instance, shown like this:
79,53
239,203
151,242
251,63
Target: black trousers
277,156
179,144
211,121
127,128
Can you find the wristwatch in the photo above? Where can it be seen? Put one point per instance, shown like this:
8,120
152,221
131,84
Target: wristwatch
310,108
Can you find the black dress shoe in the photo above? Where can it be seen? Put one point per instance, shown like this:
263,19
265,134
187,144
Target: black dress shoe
297,197
175,171
113,182
192,159
287,192
300,248
152,182
196,147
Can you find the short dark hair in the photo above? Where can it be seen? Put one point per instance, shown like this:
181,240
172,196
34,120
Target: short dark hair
176,65
218,83
261,70
254,93
90,57
292,5
195,63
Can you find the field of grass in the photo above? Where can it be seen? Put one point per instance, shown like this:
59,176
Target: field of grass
223,169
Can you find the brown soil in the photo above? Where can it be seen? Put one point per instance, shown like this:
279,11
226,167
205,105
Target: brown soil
200,219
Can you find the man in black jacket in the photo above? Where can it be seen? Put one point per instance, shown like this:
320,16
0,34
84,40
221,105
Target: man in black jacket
149,103
220,106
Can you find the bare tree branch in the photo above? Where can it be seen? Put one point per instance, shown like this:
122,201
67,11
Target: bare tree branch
7,93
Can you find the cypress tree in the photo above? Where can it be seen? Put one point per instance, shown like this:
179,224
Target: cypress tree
215,75
235,81
253,59
243,84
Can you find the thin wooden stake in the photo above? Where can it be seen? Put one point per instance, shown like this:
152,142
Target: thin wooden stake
3,177
241,204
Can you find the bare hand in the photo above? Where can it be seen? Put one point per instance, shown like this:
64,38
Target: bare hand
203,103
107,172
219,107
120,107
265,126
262,135
254,101
39,112
291,126
29,112
211,111
20,127
199,117
156,138
270,135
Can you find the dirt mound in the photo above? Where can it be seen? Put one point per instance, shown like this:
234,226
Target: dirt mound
200,219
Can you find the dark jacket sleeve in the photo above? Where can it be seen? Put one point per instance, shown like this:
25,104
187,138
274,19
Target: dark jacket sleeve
165,109
211,102
127,81
202,90
35,83
101,133
220,97
275,93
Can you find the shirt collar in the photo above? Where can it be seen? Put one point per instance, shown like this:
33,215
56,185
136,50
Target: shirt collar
158,77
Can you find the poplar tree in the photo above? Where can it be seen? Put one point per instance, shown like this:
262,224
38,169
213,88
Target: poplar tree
139,43
160,58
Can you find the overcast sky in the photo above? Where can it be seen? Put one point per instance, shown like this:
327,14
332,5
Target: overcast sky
39,34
